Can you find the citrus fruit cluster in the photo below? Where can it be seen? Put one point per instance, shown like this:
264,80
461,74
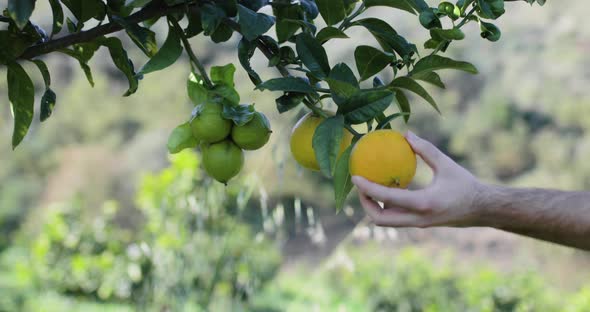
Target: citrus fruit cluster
223,142
382,156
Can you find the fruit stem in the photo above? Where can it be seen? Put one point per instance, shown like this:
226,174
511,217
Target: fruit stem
322,90
346,23
461,24
194,59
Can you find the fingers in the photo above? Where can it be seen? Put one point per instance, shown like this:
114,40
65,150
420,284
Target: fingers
427,151
388,217
413,200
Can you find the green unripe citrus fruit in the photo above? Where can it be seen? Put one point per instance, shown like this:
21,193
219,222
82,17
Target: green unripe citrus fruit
209,126
254,134
222,160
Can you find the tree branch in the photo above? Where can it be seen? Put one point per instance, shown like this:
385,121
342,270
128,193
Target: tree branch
144,14
193,58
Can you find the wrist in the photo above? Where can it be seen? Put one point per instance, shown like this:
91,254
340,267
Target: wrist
483,205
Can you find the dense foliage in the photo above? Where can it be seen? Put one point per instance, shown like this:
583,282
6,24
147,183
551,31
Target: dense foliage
297,47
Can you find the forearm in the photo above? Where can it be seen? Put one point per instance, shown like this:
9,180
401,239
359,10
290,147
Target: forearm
559,217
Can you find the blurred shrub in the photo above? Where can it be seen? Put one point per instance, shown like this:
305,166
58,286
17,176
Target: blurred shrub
369,279
190,254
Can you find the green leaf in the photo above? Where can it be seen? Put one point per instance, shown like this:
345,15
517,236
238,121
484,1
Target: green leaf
195,25
224,94
291,84
404,105
446,34
88,73
370,61
118,7
287,56
166,56
254,5
44,72
84,10
239,114
137,3
307,26
491,9
13,46
48,99
430,77
342,179
143,37
398,4
490,31
211,18
229,6
387,36
311,9
253,24
332,11
20,11
285,30
328,33
411,85
383,123
326,143
437,62
223,74
429,20
313,55
181,138
47,104
289,101
419,5
21,95
58,16
222,34
400,45
197,92
343,84
83,53
122,61
365,105
246,50
376,26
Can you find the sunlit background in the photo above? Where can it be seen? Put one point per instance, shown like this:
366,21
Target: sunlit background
96,216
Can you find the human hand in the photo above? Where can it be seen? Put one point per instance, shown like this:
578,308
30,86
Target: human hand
448,201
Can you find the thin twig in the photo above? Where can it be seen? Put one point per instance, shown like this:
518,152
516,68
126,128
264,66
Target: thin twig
193,57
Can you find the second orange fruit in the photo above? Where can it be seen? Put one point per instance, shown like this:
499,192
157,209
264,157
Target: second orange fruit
301,142
384,157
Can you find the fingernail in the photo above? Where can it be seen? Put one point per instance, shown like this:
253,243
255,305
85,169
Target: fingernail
411,136
355,179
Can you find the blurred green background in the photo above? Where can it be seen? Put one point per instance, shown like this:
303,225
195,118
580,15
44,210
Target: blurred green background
95,216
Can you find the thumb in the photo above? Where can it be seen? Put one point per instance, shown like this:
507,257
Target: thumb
427,151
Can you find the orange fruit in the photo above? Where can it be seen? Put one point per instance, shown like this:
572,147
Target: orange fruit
302,137
384,157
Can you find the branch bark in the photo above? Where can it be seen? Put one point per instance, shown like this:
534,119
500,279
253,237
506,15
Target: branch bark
144,14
